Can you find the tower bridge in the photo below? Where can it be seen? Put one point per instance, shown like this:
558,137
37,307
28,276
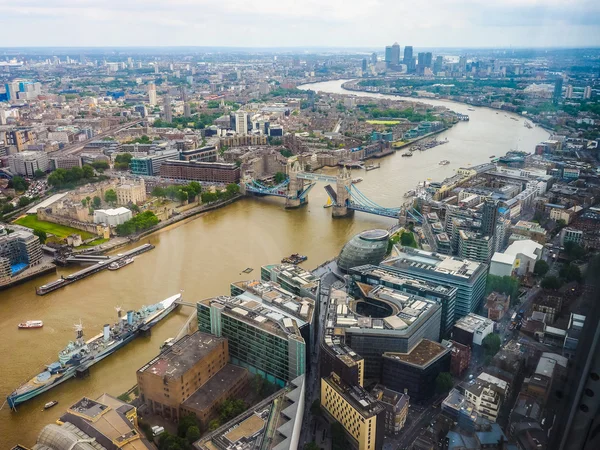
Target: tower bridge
345,197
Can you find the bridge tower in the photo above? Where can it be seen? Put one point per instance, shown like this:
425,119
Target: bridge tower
343,185
295,187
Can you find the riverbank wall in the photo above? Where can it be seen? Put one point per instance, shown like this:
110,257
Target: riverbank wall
29,275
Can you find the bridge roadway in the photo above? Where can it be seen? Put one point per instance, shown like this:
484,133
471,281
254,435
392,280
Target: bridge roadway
316,177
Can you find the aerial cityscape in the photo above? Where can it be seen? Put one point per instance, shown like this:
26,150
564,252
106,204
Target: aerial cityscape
246,246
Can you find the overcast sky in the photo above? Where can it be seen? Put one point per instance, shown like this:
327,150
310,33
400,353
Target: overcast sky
297,23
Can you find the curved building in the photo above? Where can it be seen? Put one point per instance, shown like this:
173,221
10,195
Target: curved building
368,247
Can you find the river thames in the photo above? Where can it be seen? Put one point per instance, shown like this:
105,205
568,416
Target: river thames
203,255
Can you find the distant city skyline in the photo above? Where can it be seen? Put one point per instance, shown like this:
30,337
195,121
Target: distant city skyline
289,23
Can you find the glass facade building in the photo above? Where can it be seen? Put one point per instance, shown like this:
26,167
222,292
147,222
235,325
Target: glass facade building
368,247
261,339
467,276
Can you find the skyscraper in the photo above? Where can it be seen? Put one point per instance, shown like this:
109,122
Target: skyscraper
373,58
168,114
395,54
421,63
241,122
558,84
364,64
587,93
388,54
152,94
183,93
488,219
187,110
437,66
408,55
462,64
428,59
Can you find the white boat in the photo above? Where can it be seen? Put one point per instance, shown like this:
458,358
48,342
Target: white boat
356,180
31,324
444,162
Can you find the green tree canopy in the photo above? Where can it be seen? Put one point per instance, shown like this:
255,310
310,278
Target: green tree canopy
505,285
443,382
110,196
141,222
541,268
100,165
570,272
97,202
88,171
574,250
18,184
39,174
551,282
192,434
280,177
185,422
407,239
42,235
491,344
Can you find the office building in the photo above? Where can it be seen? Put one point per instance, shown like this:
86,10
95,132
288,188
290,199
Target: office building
396,408
388,55
187,110
65,162
443,295
241,122
569,91
557,94
395,55
205,154
18,251
462,64
483,396
488,217
364,65
385,319
150,165
472,329
292,278
373,58
191,377
467,276
194,170
262,338
152,94
112,217
131,192
587,92
167,111
106,423
367,247
27,162
12,88
408,56
475,246
530,230
415,371
362,416
438,65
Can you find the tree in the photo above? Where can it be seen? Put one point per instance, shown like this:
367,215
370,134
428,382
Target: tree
407,239
88,171
213,424
285,152
315,408
506,285
574,250
491,344
209,197
18,184
541,268
192,434
84,202
57,178
280,177
186,422
122,161
42,235
232,189
560,224
24,201
570,273
39,174
159,192
443,382
551,282
100,165
97,202
110,197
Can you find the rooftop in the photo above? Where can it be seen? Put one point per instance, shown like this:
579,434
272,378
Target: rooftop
273,294
251,310
183,355
357,396
472,323
422,354
215,387
444,266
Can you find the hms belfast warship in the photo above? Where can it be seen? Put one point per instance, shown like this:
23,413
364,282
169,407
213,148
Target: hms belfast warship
80,355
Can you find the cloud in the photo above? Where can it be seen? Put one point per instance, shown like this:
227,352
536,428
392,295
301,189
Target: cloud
349,23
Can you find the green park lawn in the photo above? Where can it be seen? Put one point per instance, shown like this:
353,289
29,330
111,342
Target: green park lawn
60,231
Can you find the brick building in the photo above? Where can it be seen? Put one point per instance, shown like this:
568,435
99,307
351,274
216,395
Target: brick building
213,172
